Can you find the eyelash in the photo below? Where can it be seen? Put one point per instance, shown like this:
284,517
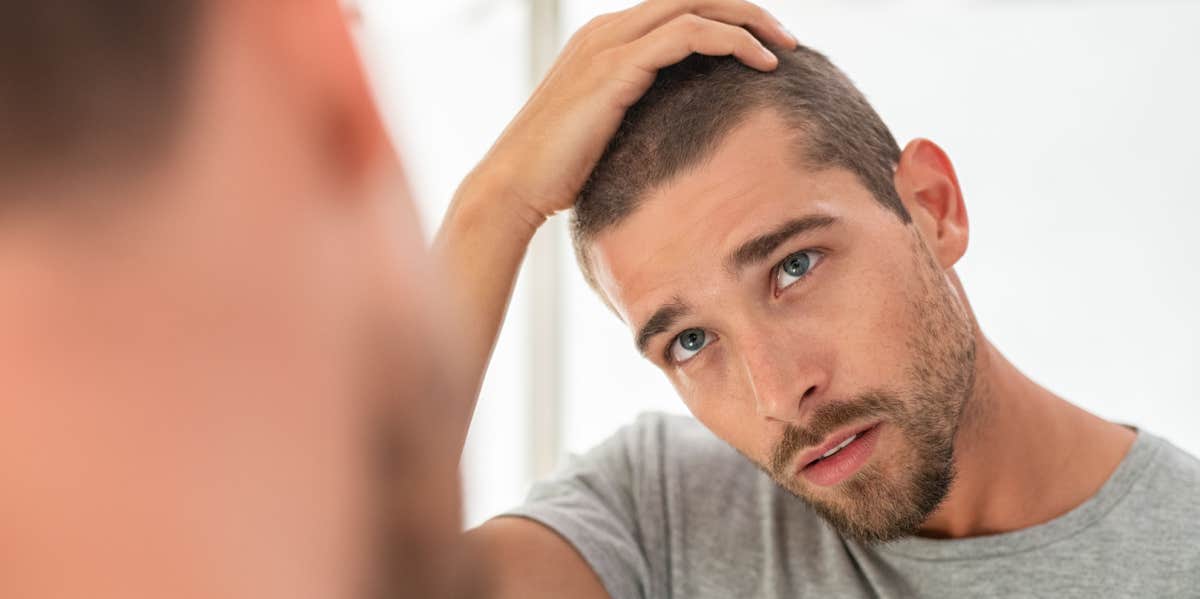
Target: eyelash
774,273
773,277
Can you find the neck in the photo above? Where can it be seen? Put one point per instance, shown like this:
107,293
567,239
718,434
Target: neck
1023,455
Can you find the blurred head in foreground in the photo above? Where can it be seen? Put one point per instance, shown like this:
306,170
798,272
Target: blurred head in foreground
218,378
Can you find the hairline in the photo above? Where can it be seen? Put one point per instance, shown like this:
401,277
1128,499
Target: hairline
797,127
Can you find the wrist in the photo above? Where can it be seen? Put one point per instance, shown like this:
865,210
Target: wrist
490,200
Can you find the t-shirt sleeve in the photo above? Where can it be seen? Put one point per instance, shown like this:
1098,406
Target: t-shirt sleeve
593,502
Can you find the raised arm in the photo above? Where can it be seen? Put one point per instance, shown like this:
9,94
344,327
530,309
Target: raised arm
541,161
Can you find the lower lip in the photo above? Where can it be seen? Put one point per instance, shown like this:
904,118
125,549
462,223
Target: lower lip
841,465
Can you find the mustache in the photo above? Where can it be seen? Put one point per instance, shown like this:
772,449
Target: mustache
827,419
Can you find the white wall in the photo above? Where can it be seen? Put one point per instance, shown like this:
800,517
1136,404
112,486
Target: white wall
1073,126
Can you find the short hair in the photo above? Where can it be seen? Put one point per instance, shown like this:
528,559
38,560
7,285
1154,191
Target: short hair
694,105
86,83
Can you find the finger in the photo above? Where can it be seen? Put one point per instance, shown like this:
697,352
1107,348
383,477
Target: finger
689,34
640,20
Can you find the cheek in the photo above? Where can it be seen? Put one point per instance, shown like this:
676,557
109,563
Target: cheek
867,323
875,341
714,388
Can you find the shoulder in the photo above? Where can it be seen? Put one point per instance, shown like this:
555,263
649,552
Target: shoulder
658,434
1177,463
662,426
658,467
643,499
646,456
673,446
658,431
1159,517
1164,500
1171,470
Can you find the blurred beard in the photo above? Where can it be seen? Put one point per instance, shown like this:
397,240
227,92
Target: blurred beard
414,523
875,505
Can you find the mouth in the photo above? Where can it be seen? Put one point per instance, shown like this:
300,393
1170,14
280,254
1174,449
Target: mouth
840,456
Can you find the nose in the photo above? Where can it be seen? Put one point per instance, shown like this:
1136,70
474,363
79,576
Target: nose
781,380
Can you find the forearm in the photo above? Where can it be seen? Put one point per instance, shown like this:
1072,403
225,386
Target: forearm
479,249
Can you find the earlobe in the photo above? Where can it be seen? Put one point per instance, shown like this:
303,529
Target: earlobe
358,136
355,136
314,50
928,186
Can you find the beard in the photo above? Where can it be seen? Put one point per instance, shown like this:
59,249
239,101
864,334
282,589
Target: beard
412,546
883,502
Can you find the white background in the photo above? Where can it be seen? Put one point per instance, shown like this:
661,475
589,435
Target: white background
1073,126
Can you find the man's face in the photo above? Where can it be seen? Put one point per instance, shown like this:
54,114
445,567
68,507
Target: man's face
793,312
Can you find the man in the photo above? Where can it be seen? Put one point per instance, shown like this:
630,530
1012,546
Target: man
791,270
219,377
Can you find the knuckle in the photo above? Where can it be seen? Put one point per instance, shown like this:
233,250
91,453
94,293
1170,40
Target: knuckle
759,14
747,39
608,60
591,27
596,22
688,23
585,36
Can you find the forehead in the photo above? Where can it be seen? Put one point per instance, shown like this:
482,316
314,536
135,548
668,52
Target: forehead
677,240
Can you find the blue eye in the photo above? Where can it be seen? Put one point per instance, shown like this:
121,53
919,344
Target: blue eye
687,344
795,267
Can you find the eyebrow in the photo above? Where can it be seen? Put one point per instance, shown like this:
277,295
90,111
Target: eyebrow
660,322
759,248
750,252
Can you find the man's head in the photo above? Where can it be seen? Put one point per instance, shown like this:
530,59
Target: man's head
218,373
789,268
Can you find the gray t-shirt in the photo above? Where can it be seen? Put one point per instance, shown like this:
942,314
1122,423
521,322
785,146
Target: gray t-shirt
663,509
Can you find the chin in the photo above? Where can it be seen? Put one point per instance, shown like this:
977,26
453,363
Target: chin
879,503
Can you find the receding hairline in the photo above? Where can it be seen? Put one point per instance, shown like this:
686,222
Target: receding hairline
800,158
693,107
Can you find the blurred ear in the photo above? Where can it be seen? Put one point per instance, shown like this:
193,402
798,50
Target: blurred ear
929,188
313,50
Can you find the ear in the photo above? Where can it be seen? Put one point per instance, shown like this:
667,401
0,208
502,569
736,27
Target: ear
929,188
313,48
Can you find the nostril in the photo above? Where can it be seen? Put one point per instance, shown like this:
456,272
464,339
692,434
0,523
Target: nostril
810,391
